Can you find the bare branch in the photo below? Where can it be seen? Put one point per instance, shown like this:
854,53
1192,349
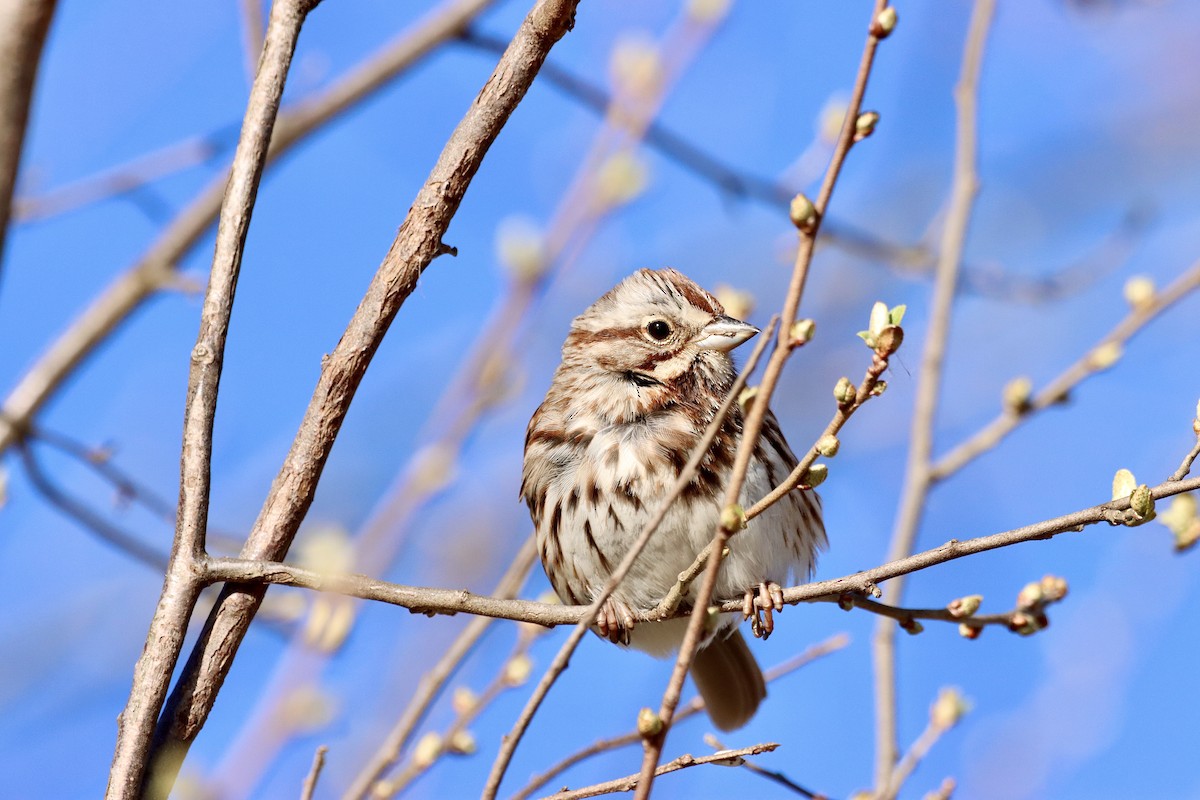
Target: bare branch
809,229
184,577
918,480
417,243
252,34
86,517
23,27
314,773
689,709
835,590
725,758
430,686
770,774
155,270
1059,389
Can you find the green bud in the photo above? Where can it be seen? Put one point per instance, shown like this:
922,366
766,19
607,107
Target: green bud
649,723
1142,502
965,606
815,475
803,213
802,332
828,446
733,518
844,392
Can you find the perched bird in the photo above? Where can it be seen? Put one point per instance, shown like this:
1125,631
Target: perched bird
644,370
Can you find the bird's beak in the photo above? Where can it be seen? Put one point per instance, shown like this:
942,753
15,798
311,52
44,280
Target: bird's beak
724,334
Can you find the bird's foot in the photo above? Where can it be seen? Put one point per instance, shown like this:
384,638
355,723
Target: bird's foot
615,621
760,603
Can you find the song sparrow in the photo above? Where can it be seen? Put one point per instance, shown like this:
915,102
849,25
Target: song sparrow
643,372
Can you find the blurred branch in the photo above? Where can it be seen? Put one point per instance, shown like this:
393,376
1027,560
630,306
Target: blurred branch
907,260
156,269
121,179
918,473
417,243
509,743
945,714
100,461
689,709
314,773
23,28
426,600
87,518
724,758
1101,357
430,687
456,739
184,575
807,217
252,34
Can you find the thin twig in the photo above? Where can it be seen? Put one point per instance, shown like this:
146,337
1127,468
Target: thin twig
429,688
130,176
184,577
1188,460
725,758
416,245
916,753
754,420
918,479
156,269
770,774
502,682
86,517
1060,388
834,590
919,260
509,743
23,27
314,773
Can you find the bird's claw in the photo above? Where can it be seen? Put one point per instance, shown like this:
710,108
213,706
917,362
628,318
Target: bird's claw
760,602
615,621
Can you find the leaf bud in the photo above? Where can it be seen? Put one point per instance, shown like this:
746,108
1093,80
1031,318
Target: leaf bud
649,723
884,23
815,475
828,446
965,606
803,213
733,518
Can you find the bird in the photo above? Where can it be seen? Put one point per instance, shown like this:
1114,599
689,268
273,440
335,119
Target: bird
644,370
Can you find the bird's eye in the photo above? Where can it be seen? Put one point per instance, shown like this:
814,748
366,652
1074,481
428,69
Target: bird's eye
658,329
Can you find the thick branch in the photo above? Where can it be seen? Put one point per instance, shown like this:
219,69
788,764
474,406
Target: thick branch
417,243
23,27
154,668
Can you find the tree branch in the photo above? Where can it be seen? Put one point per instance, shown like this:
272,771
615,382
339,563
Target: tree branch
23,28
417,243
1059,389
918,480
156,268
184,578
835,590
725,758
689,709
809,227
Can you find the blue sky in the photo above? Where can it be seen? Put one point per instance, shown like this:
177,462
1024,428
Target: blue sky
1086,114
